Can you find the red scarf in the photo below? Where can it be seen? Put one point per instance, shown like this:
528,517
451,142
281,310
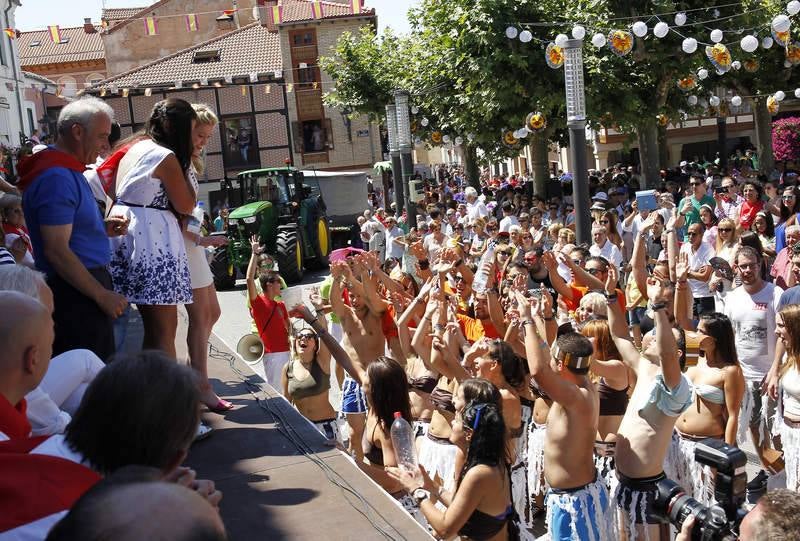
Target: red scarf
35,486
748,213
13,420
108,170
31,167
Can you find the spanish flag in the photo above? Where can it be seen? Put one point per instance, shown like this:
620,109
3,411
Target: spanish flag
55,34
276,13
10,32
150,26
316,10
228,12
191,22
355,6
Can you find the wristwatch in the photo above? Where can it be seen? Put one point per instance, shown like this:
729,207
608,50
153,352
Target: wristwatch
420,495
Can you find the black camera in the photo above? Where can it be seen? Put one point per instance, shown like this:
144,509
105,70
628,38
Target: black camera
720,521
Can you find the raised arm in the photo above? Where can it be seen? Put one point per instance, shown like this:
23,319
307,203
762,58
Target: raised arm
252,266
683,295
639,255
373,298
666,346
561,287
336,350
672,247
617,324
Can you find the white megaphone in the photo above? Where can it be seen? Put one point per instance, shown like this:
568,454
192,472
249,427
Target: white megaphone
250,348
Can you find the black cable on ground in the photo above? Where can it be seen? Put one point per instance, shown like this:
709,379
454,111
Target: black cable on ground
286,428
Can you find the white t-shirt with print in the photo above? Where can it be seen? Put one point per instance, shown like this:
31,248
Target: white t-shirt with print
698,260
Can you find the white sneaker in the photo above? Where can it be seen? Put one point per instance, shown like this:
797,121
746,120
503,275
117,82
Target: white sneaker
203,431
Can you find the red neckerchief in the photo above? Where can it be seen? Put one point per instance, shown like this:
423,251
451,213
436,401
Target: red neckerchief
31,167
13,420
107,171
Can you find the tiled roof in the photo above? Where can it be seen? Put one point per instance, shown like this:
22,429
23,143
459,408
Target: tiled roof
250,49
37,77
117,14
80,46
137,14
300,10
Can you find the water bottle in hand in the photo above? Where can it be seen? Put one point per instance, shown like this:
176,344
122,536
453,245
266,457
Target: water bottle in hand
403,443
482,277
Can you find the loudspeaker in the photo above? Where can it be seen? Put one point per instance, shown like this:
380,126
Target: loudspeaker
250,348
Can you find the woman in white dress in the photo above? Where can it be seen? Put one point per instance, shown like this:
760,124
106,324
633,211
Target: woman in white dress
204,311
149,264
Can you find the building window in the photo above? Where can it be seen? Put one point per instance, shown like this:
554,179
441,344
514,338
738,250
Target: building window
241,145
303,37
313,136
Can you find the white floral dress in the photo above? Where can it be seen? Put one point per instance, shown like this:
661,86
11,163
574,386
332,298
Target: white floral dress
148,264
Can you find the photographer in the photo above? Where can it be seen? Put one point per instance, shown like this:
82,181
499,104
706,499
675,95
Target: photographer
774,518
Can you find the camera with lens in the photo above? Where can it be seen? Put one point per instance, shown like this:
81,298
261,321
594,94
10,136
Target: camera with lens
720,521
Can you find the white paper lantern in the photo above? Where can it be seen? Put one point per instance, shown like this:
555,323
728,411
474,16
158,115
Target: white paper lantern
767,42
736,101
661,29
417,140
525,36
414,110
561,40
680,18
445,138
702,73
716,35
639,29
689,45
736,65
714,101
459,140
524,131
599,40
793,7
512,32
780,95
424,122
692,100
781,23
578,32
797,92
749,44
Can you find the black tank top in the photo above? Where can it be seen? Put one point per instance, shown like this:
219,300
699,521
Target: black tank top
612,401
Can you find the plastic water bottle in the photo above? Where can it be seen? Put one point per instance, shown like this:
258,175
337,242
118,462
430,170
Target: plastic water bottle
482,277
403,443
195,221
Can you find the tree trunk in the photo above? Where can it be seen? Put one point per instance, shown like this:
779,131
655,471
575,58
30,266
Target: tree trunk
647,135
763,142
539,167
663,149
471,169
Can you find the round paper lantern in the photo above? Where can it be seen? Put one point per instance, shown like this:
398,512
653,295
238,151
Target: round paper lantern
736,101
702,73
424,121
578,32
525,36
561,40
797,92
680,18
692,100
414,110
689,45
780,95
781,23
749,44
736,65
459,140
639,29
661,29
446,138
714,101
767,42
470,137
793,7
512,32
599,40
716,35
417,140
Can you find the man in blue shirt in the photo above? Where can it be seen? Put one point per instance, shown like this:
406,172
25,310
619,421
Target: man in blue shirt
69,236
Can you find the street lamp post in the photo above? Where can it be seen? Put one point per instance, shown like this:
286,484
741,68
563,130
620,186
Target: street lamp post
576,122
404,144
394,152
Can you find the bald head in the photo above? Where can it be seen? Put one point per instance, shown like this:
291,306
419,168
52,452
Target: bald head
26,343
156,511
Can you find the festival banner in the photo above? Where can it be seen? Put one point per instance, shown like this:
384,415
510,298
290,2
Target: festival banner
316,10
191,22
150,26
55,34
276,14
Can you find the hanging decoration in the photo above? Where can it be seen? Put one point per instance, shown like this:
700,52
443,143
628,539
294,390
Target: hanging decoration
191,22
720,57
661,29
793,53
767,42
662,120
689,45
680,18
150,26
749,44
561,40
436,137
509,139
620,42
736,101
750,65
772,105
781,38
687,83
512,32
554,56
639,29
535,122
599,40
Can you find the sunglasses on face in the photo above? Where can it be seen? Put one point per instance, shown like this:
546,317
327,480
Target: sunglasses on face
604,222
506,253
306,336
527,237
724,230
594,272
578,262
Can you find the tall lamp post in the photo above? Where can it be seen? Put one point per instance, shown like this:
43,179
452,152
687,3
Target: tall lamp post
404,144
576,122
394,152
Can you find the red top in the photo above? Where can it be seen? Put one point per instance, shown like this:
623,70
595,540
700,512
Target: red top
747,214
271,319
14,419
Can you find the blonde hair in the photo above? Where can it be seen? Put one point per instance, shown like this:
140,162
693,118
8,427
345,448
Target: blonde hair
791,321
570,234
727,223
205,116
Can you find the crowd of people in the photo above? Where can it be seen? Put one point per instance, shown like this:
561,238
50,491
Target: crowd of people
553,381
547,382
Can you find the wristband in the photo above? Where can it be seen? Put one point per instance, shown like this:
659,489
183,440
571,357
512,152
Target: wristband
527,322
551,318
612,297
668,231
656,306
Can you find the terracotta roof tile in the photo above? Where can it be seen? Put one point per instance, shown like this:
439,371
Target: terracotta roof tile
300,10
80,46
117,14
250,49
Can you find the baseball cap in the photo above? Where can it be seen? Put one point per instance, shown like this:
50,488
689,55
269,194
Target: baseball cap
600,196
598,206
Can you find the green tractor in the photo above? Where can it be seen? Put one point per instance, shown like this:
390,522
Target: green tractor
288,214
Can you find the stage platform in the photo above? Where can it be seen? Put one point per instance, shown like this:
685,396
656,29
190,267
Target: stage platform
279,479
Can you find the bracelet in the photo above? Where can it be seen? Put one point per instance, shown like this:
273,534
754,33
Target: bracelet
313,321
551,318
668,231
439,327
527,322
656,306
611,297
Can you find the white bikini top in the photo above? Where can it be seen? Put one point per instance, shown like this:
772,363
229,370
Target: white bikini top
790,384
710,393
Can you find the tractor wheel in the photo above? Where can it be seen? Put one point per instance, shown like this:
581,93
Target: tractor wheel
290,256
223,270
321,242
